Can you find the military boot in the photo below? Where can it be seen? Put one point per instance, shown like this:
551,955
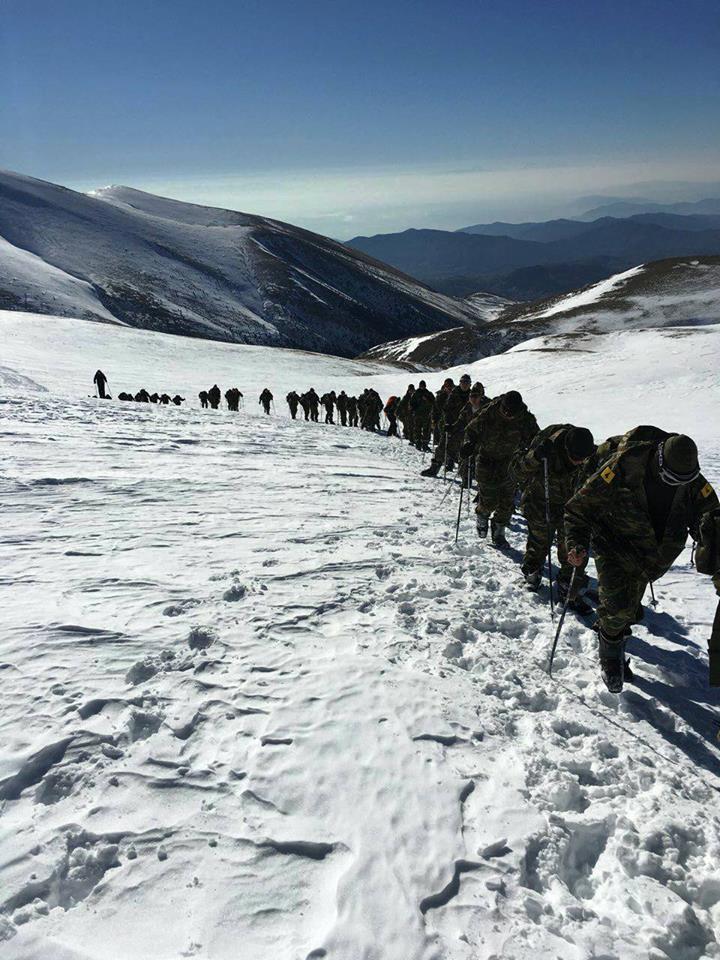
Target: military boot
533,579
577,603
612,661
431,471
481,524
497,531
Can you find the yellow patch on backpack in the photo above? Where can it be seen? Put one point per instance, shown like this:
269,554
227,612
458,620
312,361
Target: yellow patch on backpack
608,475
706,490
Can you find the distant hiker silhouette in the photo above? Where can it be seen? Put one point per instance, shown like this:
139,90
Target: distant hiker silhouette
100,381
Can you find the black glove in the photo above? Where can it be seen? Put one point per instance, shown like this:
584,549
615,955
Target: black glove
467,448
543,450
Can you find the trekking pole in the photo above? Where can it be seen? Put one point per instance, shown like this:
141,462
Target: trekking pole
653,602
457,525
549,535
560,621
469,486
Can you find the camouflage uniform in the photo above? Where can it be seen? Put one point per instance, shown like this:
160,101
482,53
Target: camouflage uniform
328,401
266,399
390,408
610,512
438,416
373,409
313,402
563,477
342,406
448,449
352,409
404,414
495,439
421,406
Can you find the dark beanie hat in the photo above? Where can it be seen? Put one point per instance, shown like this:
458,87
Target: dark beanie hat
512,403
680,456
466,378
579,443
478,390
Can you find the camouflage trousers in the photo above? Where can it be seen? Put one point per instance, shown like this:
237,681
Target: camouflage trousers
408,425
536,549
496,490
422,431
621,588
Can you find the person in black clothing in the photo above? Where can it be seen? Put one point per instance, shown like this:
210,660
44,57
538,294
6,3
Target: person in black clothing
266,398
100,380
177,399
203,396
214,396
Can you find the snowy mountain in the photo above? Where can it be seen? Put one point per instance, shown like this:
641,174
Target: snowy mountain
664,293
255,695
122,256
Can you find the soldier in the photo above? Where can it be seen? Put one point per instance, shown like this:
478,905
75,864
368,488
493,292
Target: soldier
100,380
494,437
636,512
142,396
373,409
448,451
203,396
314,404
305,404
362,408
266,398
476,402
421,405
214,396
438,412
342,405
154,397
352,406
177,399
292,400
566,449
403,412
328,401
125,396
164,399
390,413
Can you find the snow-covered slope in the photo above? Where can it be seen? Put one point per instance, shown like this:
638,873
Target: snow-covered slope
126,256
448,347
664,293
256,702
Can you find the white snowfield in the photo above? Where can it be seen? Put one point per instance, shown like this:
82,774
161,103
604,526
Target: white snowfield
258,704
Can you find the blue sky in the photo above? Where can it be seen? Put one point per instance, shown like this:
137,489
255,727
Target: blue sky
355,117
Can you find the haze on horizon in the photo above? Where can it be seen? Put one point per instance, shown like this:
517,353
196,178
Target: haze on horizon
351,120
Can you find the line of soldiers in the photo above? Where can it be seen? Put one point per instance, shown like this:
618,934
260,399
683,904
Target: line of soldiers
363,411
632,500
142,396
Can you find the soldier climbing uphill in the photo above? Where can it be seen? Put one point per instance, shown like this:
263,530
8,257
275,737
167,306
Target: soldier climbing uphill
494,436
214,396
448,451
342,407
421,406
292,400
100,381
636,513
266,398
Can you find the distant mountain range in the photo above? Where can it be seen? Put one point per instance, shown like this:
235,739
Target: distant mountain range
678,292
127,257
530,260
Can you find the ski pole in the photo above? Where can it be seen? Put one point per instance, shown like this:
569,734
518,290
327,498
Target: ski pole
469,480
653,601
561,620
457,525
549,535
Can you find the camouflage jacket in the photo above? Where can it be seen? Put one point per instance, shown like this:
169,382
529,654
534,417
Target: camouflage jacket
562,472
403,410
422,402
455,402
438,410
352,405
618,444
495,437
611,511
342,402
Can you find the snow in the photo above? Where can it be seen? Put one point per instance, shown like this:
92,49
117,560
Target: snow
258,703
588,296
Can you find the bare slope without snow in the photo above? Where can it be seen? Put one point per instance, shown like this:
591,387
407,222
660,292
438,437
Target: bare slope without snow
255,699
685,290
120,255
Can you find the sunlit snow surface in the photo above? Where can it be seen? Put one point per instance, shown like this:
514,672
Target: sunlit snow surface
257,704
